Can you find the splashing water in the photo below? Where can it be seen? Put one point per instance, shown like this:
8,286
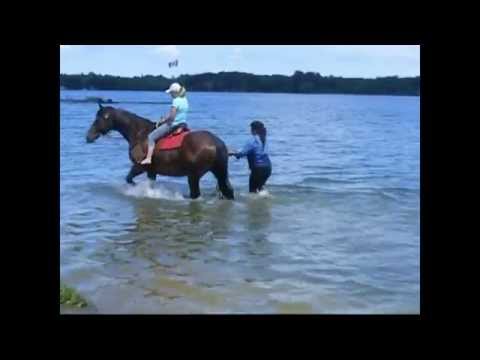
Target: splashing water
145,189
264,194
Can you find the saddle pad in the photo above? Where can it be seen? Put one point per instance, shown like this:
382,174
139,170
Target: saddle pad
172,141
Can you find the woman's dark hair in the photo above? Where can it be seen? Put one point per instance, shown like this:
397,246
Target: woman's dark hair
259,128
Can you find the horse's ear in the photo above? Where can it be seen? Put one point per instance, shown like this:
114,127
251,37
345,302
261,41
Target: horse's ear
100,105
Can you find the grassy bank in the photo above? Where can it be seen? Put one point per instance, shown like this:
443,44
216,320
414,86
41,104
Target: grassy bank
69,296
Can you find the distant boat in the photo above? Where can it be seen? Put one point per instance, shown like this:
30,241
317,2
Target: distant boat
90,99
99,100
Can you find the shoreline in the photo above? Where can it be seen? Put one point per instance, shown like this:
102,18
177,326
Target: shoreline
248,92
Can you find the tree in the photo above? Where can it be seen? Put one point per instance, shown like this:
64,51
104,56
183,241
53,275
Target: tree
299,82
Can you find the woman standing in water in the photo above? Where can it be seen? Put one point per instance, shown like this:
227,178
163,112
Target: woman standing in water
256,152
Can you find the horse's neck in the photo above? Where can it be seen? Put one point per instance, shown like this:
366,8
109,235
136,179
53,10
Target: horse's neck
133,130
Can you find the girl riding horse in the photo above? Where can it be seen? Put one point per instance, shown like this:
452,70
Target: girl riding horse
177,117
199,152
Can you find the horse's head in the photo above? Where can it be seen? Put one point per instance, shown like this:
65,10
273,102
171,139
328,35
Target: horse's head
102,124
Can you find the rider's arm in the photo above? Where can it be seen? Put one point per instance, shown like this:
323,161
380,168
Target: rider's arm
171,115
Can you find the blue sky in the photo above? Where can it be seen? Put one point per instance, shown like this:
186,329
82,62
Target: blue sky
367,61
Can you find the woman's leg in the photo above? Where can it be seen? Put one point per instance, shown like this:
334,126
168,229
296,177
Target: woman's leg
252,182
264,175
152,138
258,177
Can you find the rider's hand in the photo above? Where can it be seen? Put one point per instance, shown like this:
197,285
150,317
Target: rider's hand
160,122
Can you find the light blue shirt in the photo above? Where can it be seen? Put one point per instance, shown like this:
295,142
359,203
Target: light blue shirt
181,104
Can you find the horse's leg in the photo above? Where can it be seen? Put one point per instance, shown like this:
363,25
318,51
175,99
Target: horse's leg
134,171
194,183
226,188
152,177
224,185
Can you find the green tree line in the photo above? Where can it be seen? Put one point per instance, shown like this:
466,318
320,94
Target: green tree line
299,82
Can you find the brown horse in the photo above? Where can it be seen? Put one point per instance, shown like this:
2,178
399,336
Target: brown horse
200,152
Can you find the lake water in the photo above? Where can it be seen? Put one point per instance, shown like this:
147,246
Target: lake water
337,230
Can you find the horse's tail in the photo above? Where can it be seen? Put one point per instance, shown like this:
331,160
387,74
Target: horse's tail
221,158
220,169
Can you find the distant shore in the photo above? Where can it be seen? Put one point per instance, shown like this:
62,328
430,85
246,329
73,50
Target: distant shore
236,82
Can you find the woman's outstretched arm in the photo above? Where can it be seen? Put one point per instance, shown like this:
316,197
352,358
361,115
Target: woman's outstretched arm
247,149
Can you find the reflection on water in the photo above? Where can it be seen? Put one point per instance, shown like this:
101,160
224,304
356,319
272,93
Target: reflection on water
212,255
258,222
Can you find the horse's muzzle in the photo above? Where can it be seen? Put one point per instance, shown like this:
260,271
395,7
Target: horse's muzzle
92,137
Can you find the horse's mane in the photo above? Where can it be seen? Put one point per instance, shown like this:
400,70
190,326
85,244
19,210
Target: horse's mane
134,116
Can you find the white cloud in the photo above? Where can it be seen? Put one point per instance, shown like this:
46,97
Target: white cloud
169,50
71,48
385,51
237,53
235,59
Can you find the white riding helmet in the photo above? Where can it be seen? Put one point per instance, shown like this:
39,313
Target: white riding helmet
175,87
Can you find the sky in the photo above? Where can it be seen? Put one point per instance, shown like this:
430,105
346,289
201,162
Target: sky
367,61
